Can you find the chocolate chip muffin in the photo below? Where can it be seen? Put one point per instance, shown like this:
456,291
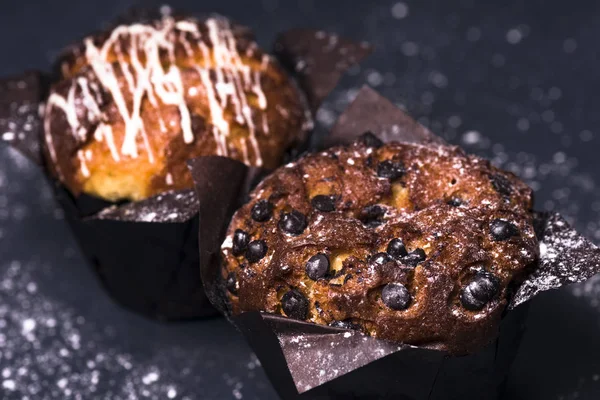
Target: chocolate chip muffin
131,105
409,243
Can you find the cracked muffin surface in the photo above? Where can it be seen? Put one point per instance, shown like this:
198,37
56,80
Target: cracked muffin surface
133,104
404,242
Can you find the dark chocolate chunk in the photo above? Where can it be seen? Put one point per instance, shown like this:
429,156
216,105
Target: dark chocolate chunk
455,201
231,283
323,203
397,249
482,288
372,216
257,249
370,140
501,184
293,222
396,296
414,257
262,211
317,266
390,169
502,230
240,242
295,305
345,324
380,258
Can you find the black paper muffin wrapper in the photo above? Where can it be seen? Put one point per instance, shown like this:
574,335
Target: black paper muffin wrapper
308,361
146,252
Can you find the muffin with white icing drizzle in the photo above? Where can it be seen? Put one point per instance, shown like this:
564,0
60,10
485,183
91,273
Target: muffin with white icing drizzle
132,105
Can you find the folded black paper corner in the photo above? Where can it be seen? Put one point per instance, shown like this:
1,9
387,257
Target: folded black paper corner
565,257
371,112
218,198
318,60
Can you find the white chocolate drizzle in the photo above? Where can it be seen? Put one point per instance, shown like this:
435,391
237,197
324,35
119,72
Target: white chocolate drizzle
137,53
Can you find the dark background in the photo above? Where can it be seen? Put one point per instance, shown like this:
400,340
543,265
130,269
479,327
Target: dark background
515,81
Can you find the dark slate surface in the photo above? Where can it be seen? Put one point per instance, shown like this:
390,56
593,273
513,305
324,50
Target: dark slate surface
515,81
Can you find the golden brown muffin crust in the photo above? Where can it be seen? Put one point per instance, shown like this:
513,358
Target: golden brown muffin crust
472,222
133,104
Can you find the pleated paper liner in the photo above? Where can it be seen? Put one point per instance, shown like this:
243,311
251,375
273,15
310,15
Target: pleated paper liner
146,252
308,361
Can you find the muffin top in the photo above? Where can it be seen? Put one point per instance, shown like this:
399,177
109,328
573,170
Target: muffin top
405,242
131,105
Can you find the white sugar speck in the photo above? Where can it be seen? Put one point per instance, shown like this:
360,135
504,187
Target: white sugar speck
409,49
523,124
559,157
374,78
473,34
28,326
62,383
150,378
454,121
9,384
31,287
586,135
569,45
554,93
438,79
514,36
400,10
471,137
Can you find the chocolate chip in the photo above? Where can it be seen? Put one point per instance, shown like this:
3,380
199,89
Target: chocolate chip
345,324
239,242
390,169
501,184
323,203
483,288
397,249
380,258
502,230
455,202
317,266
262,211
372,216
414,257
293,222
257,249
318,307
295,305
370,140
396,296
231,283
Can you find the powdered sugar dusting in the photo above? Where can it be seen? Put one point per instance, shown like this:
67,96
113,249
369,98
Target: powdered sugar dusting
565,257
311,367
